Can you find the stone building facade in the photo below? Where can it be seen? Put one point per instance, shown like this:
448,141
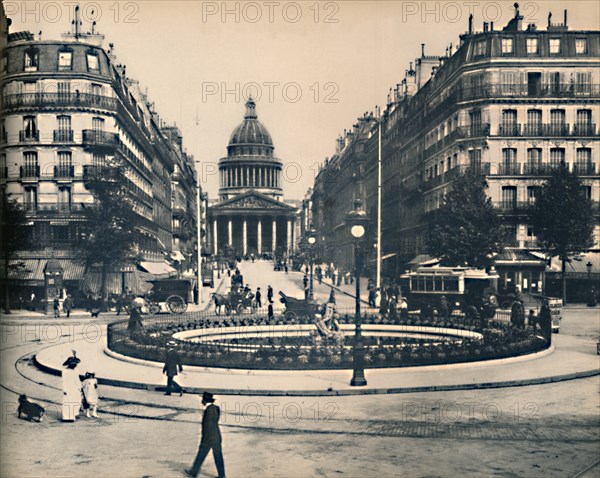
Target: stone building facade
510,104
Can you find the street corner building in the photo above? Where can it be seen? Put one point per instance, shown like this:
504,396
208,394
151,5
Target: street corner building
508,104
251,216
68,108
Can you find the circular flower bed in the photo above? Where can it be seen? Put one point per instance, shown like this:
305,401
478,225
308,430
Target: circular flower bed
493,340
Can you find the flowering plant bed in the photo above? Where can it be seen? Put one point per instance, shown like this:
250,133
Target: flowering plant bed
491,340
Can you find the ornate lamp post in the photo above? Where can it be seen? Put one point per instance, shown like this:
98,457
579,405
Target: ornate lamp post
356,221
311,237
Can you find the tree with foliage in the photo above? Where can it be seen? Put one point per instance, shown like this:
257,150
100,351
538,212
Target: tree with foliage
563,219
15,236
466,230
109,236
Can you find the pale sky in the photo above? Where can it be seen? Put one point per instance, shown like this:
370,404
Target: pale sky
341,57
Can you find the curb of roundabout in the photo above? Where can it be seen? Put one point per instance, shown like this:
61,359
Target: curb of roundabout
46,366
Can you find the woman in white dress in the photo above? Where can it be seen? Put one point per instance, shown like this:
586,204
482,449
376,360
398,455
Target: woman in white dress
71,403
90,392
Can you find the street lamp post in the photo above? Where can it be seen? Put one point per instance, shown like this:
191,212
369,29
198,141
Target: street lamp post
356,221
312,239
589,266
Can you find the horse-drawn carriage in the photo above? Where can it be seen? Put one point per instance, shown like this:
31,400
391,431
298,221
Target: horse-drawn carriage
173,292
297,307
238,299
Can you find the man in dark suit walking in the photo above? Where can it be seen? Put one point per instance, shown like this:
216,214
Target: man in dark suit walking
171,368
211,438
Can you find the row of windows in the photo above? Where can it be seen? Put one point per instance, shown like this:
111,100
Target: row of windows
557,116
65,61
31,131
533,46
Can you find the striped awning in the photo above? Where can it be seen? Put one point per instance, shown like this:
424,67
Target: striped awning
73,270
137,281
25,269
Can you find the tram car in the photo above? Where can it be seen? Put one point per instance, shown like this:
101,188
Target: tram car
462,287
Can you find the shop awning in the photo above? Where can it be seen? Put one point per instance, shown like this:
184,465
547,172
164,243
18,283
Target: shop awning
73,270
177,256
24,269
160,270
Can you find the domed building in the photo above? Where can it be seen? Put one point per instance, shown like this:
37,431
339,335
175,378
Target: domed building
251,217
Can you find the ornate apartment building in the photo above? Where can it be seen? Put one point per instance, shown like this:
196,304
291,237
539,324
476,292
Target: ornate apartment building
510,104
66,108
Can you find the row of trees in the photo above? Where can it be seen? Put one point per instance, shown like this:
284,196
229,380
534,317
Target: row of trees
468,230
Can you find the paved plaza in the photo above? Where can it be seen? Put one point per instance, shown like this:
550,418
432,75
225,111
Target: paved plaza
549,429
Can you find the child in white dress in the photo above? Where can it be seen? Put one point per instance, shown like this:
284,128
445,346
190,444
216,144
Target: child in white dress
90,392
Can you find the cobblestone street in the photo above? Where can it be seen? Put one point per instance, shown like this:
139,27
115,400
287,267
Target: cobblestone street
541,430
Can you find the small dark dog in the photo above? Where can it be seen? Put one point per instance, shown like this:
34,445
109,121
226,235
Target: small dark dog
31,410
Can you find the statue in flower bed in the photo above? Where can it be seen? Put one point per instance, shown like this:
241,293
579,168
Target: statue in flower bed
326,322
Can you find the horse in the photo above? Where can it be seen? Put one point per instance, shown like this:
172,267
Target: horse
221,301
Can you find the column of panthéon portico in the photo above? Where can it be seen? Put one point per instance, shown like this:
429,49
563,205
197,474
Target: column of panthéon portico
274,237
215,236
245,237
259,237
229,232
289,237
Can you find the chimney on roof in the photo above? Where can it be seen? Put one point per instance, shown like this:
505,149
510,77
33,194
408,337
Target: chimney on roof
470,24
422,50
565,17
549,19
491,26
450,49
485,27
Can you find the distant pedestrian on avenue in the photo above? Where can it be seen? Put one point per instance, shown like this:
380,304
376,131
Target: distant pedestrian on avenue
270,294
71,386
545,321
56,307
68,305
444,307
172,367
331,299
258,298
305,281
285,267
371,298
211,438
517,314
306,292
135,319
270,313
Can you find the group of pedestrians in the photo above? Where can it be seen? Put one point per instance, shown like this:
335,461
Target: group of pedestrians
78,395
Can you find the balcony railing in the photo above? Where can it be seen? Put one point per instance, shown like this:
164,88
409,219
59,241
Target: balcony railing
585,169
509,169
63,135
64,171
59,208
512,206
584,129
59,100
27,135
557,129
532,129
30,172
536,169
509,129
98,172
100,139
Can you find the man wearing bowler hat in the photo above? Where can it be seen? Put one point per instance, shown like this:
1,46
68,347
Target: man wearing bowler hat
172,367
211,437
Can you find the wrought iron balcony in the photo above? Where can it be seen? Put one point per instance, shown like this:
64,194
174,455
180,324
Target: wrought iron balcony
557,129
30,173
536,169
100,139
61,100
532,129
29,136
63,171
59,208
509,169
509,206
584,129
584,169
93,172
63,135
509,129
